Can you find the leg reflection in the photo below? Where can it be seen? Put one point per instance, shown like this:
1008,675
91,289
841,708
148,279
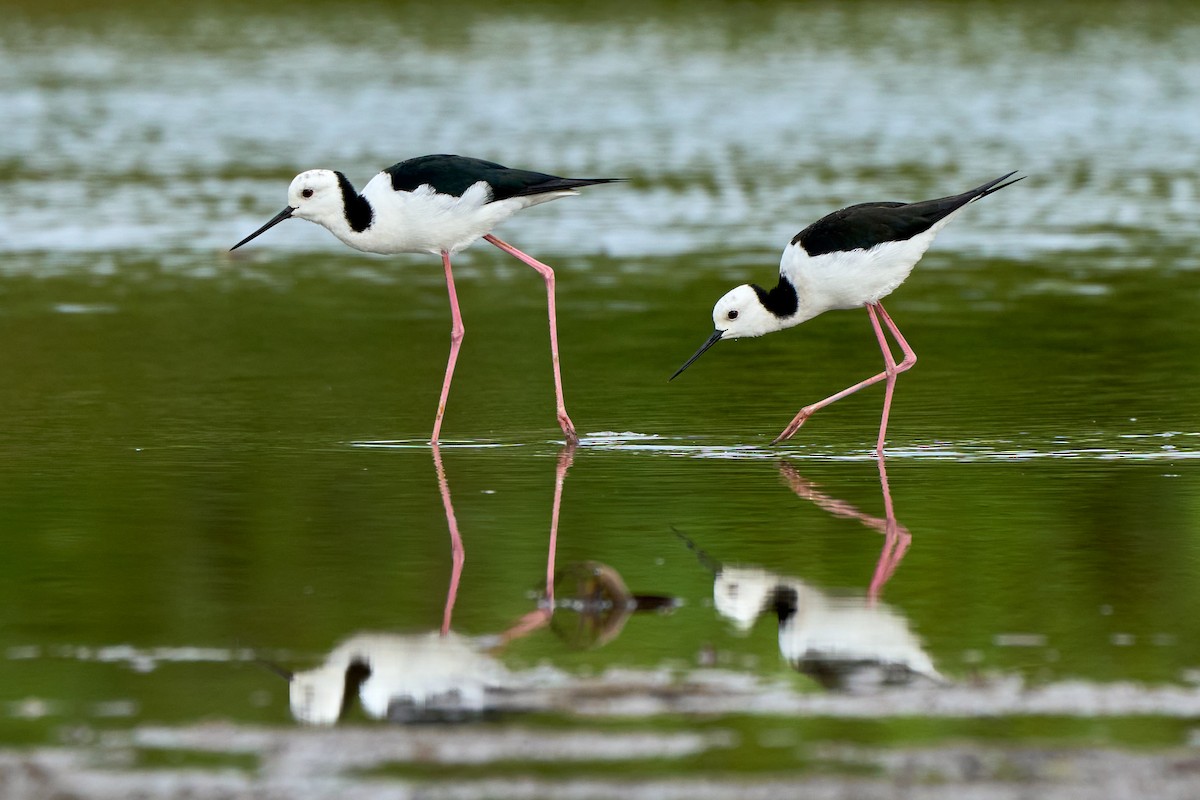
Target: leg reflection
540,617
458,555
896,537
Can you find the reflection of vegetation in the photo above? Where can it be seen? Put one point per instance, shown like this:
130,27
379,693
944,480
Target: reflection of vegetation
1052,26
754,745
168,758
695,767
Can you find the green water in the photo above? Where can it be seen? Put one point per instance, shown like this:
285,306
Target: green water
205,457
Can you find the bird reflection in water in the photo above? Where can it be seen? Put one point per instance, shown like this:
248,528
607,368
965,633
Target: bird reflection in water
441,676
424,677
845,642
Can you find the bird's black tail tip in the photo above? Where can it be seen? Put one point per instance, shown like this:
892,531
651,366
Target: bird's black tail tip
596,181
996,185
566,185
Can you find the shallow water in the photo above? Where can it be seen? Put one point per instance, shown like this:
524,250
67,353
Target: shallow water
209,459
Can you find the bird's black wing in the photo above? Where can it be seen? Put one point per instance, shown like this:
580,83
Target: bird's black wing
862,226
453,175
859,227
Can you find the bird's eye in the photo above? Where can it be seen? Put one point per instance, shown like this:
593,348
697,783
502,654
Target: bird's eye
733,314
306,193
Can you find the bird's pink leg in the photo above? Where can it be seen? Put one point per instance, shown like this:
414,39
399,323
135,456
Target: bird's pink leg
457,332
891,370
564,421
457,553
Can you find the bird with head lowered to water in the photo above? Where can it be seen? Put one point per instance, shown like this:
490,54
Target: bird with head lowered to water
853,257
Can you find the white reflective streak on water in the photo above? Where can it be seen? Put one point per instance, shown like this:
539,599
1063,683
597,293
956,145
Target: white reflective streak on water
117,138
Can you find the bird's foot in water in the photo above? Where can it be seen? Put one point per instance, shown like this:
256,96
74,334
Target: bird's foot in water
568,427
794,425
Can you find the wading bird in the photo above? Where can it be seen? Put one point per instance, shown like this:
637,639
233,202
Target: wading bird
434,204
853,257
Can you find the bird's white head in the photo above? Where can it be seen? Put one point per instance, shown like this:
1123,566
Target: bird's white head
316,195
740,594
740,312
317,696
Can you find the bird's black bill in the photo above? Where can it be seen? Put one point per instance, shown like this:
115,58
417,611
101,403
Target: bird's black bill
704,558
716,337
278,218
271,666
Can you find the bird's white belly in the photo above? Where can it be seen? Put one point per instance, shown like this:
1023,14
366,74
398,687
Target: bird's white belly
449,234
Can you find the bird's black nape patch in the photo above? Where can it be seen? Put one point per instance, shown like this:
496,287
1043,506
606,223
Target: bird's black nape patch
359,213
782,301
357,673
785,602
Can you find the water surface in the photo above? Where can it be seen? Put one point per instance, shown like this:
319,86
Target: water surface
208,459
